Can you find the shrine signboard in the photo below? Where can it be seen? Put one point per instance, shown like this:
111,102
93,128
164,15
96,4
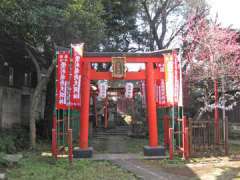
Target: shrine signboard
118,67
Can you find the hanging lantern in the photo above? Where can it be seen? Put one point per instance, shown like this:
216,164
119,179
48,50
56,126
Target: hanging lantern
129,90
102,87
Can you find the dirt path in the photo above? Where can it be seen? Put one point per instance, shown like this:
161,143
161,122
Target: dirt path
144,171
207,168
116,144
116,149
135,164
215,168
110,144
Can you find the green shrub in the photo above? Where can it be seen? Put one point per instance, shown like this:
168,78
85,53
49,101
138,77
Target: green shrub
14,139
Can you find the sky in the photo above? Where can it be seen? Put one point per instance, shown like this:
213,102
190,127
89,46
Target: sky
228,12
228,15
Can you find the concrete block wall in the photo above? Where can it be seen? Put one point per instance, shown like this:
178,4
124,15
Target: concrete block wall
11,107
15,104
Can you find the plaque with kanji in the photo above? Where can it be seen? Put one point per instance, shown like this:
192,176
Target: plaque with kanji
118,67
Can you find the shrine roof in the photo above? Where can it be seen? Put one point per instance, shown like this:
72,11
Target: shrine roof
129,54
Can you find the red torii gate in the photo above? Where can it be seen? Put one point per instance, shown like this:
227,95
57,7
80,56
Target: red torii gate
150,75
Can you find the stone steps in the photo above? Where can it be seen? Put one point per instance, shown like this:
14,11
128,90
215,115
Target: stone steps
101,132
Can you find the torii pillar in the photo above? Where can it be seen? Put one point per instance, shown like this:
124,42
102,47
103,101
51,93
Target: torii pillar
84,151
153,149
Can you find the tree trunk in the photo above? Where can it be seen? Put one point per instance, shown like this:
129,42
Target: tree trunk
36,98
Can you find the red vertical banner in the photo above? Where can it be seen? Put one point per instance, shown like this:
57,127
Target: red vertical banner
63,62
161,98
75,83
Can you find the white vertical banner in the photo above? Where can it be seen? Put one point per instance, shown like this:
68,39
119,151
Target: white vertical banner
180,96
129,90
102,89
169,77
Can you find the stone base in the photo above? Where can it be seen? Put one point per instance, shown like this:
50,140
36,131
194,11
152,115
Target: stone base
153,151
82,153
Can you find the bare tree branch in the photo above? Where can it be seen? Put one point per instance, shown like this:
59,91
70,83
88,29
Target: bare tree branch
173,36
144,3
163,33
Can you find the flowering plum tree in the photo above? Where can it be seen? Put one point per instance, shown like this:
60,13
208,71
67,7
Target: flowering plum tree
212,50
212,54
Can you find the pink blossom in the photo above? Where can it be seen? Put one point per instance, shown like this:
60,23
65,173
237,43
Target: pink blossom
211,51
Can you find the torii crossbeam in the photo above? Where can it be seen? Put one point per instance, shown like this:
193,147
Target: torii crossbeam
150,75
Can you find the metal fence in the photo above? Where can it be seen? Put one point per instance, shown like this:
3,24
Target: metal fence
202,138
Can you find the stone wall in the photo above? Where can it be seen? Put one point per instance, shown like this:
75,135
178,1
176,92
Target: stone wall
14,106
10,107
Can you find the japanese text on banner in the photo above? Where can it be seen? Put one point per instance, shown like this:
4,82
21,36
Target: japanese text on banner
63,62
161,98
75,83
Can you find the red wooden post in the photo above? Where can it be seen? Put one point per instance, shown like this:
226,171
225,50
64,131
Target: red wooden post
70,146
54,143
166,130
151,103
216,114
170,143
187,143
84,119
